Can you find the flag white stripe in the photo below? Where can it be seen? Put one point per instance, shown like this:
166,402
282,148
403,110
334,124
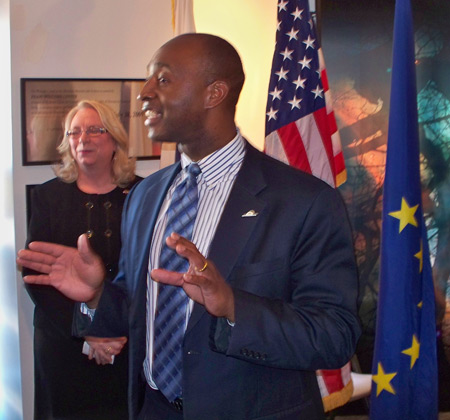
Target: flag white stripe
273,147
317,156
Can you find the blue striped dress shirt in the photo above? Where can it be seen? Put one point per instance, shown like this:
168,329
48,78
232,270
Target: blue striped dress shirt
219,171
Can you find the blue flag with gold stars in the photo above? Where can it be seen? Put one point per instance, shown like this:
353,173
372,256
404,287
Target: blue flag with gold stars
404,366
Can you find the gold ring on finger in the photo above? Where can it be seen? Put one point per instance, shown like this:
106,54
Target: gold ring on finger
201,270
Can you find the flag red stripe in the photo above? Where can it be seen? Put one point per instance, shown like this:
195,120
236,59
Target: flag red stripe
333,380
339,163
324,77
332,123
294,147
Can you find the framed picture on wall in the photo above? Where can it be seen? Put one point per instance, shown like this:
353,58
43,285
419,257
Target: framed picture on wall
45,103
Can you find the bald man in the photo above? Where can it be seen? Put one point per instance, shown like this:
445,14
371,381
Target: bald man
271,276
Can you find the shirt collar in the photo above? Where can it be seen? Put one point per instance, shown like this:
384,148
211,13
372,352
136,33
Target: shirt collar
218,163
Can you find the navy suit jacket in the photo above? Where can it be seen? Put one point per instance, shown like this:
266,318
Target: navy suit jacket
293,273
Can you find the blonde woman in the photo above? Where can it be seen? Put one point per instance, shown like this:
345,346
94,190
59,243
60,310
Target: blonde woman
88,194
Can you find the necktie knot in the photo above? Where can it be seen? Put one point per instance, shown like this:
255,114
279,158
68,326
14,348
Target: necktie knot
193,170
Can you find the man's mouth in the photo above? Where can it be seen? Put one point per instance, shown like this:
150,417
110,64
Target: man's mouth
152,117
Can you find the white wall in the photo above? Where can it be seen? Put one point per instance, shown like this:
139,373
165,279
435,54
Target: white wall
73,39
250,27
10,391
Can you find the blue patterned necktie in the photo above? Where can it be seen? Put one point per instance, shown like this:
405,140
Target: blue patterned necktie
170,315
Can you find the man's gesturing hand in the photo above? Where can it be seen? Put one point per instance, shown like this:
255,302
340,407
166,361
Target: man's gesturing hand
203,283
78,273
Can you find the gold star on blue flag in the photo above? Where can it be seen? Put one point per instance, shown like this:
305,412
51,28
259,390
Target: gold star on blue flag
404,365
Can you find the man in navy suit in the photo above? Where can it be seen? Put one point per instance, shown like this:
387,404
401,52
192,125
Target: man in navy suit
272,279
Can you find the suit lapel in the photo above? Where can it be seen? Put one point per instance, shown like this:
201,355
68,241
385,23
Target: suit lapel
146,210
242,212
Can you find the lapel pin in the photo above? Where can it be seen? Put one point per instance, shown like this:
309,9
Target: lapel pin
250,213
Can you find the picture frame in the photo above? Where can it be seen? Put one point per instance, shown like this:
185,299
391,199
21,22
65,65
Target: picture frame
45,102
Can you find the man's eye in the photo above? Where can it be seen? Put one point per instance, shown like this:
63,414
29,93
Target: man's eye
162,80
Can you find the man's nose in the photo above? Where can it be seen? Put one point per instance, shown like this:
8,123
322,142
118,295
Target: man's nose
148,91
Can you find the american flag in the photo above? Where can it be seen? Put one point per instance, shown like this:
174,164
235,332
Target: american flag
300,126
301,131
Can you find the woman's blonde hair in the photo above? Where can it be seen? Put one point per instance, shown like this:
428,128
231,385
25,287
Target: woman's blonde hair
123,167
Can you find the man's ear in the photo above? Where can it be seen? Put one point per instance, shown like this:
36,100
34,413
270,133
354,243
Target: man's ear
216,92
